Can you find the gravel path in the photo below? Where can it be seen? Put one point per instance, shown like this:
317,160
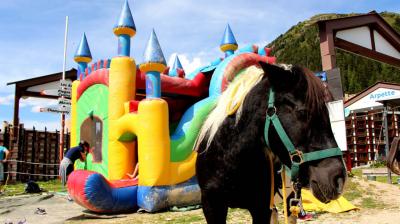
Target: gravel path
385,209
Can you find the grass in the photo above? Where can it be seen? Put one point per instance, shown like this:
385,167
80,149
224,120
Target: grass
382,179
174,217
356,172
370,202
19,188
366,198
237,215
352,190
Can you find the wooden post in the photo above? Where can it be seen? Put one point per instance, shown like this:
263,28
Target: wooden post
21,144
16,106
24,153
13,131
33,154
67,139
57,146
45,154
61,146
54,152
385,117
327,47
348,160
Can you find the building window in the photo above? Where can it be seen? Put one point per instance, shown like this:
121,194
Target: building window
92,132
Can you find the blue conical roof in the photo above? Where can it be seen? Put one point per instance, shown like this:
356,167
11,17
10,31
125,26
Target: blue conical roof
228,37
83,49
177,63
153,52
126,19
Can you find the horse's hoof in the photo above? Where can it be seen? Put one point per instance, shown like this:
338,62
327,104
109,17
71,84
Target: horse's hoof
274,216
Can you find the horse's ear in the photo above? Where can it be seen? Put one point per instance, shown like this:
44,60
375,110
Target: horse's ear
281,77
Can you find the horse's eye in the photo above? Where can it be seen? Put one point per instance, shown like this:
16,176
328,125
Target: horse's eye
302,113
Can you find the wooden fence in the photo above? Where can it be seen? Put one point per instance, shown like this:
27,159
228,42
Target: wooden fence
34,153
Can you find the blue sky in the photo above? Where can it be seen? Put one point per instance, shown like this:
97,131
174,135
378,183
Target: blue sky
32,33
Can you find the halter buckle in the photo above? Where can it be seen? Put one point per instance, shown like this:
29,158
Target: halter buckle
297,157
271,110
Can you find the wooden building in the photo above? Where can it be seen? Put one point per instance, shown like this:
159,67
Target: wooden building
365,123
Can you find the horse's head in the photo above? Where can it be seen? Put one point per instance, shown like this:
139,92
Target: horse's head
300,102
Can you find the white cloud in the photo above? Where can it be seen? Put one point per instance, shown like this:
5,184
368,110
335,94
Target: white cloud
36,109
6,100
189,64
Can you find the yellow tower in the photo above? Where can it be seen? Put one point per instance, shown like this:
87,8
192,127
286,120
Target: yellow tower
122,84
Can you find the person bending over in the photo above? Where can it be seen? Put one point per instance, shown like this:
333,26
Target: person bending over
67,164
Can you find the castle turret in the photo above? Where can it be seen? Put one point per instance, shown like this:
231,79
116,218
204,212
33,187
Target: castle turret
82,55
122,90
228,42
154,63
125,29
173,71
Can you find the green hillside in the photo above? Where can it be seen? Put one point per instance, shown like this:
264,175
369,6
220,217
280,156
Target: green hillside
300,45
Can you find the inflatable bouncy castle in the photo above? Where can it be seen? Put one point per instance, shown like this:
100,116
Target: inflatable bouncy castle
145,115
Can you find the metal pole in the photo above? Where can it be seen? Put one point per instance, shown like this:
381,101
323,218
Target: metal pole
61,147
65,46
385,113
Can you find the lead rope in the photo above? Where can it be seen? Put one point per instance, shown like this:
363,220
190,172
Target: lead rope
294,202
284,195
272,173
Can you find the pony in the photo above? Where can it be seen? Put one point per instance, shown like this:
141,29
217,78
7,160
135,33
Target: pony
232,167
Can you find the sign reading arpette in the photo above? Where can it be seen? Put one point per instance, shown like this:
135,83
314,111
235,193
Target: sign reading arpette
382,94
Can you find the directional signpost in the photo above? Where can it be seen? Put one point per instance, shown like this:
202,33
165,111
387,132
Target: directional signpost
65,89
64,93
64,103
64,99
66,83
53,110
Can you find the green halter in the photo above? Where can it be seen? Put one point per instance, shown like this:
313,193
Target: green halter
296,156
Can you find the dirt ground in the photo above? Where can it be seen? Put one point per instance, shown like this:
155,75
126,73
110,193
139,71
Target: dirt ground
379,203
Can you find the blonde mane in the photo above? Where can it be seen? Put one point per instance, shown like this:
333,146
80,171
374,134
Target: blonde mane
229,103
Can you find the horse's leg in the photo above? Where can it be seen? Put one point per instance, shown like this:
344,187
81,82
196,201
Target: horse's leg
260,214
214,209
274,216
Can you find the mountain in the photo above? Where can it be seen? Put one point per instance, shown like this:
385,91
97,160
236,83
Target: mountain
300,45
